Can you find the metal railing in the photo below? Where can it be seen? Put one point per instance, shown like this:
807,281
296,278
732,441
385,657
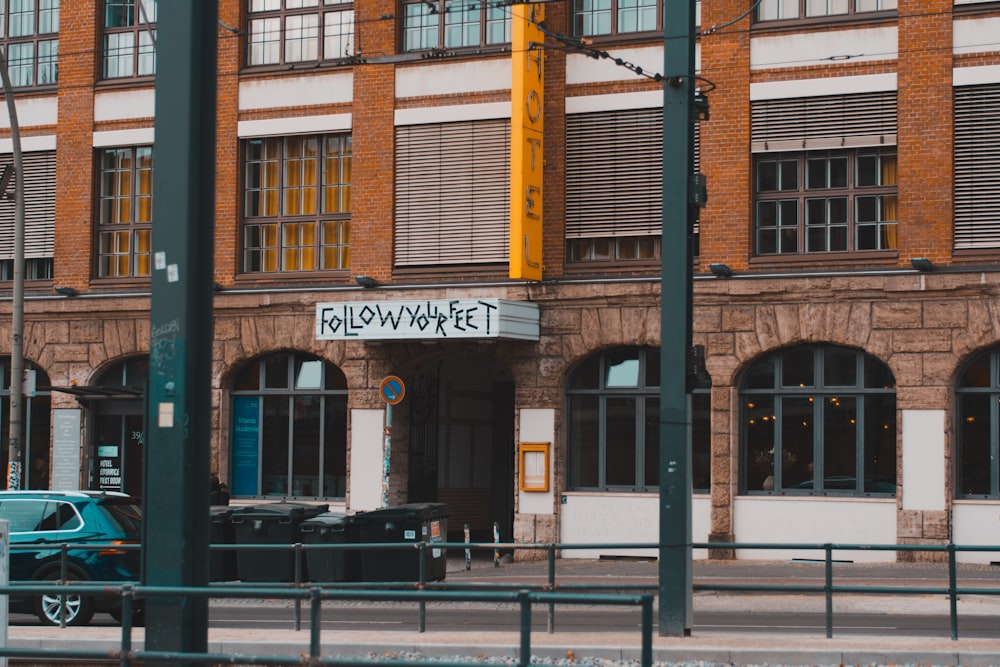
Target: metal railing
421,591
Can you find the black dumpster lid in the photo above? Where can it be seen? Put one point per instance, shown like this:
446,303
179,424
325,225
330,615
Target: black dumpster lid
326,519
411,510
281,509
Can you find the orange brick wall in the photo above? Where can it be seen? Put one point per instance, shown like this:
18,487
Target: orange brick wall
78,65
725,138
374,145
925,130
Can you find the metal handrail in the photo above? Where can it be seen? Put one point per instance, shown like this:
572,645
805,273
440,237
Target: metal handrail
422,591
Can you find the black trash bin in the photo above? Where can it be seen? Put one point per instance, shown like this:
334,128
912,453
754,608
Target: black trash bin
272,523
330,564
222,563
415,522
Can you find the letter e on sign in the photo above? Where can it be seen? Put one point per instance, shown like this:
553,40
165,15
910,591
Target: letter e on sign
392,390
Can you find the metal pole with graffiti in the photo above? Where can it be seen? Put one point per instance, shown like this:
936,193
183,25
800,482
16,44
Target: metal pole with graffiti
391,390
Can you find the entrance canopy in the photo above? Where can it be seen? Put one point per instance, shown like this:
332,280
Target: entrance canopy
96,392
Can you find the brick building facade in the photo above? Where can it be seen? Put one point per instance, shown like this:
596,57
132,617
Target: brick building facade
853,391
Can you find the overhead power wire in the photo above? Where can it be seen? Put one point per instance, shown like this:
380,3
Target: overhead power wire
739,18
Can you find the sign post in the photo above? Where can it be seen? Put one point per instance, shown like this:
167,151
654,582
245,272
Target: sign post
391,391
4,580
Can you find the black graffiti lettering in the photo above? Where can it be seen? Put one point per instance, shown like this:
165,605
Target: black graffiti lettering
389,316
414,313
489,314
329,321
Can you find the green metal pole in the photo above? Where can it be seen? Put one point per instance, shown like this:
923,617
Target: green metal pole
675,312
177,457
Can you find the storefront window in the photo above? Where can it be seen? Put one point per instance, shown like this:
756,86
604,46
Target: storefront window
289,428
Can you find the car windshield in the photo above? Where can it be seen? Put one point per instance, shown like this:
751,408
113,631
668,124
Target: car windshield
126,513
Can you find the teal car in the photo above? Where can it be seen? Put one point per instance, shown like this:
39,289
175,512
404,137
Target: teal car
42,521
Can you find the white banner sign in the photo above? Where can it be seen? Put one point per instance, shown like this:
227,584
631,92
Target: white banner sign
429,319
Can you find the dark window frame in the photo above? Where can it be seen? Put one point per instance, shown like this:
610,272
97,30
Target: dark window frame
802,15
110,226
591,397
25,71
584,13
805,389
279,243
779,237
271,32
133,24
434,20
977,403
275,379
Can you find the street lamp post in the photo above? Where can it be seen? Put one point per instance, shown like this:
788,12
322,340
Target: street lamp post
14,467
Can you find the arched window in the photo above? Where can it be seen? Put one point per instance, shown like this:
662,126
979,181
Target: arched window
819,419
35,428
978,416
289,428
614,423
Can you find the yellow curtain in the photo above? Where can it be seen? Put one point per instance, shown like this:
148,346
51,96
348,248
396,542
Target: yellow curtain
269,247
142,250
890,203
310,176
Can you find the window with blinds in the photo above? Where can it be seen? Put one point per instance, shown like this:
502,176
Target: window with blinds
825,122
977,167
453,193
39,206
614,173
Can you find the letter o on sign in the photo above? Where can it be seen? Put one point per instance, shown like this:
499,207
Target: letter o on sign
392,390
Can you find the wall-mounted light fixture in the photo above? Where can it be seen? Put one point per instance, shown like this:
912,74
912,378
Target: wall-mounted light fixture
720,270
922,264
66,291
366,281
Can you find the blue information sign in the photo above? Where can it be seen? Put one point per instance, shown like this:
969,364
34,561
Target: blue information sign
246,436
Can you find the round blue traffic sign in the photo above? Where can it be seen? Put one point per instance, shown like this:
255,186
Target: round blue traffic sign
392,390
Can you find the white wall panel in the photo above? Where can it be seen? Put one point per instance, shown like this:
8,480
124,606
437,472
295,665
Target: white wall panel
124,104
976,522
842,85
974,76
453,78
139,136
32,112
366,459
787,519
273,127
976,35
923,460
823,48
538,425
585,69
337,88
618,518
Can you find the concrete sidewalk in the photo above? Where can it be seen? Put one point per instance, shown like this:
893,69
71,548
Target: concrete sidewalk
707,647
724,649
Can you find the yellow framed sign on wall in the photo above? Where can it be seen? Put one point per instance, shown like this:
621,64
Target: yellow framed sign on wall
534,466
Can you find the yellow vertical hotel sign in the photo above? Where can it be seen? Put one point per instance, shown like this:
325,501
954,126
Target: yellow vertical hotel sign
526,124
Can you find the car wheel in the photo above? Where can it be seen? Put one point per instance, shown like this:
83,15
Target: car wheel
48,607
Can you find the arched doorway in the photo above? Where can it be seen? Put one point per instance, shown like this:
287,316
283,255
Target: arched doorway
461,444
117,425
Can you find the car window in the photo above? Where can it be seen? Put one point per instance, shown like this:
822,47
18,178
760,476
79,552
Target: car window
126,515
24,514
63,516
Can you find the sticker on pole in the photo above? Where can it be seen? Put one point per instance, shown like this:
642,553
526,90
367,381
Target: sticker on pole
392,390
